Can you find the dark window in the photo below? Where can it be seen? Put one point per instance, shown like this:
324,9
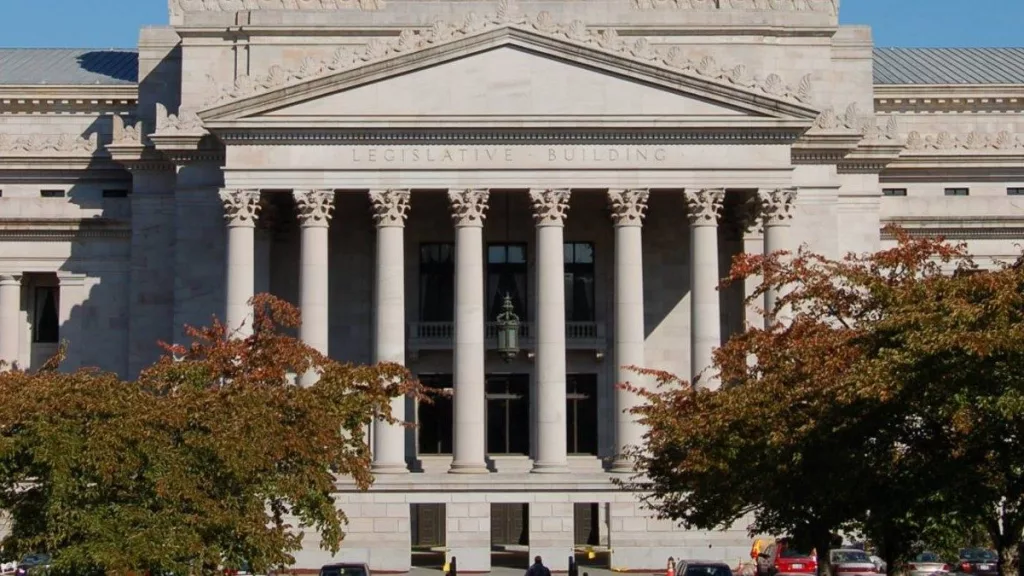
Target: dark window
508,414
434,419
51,193
115,193
894,191
506,275
579,282
581,413
1015,191
958,191
45,323
437,282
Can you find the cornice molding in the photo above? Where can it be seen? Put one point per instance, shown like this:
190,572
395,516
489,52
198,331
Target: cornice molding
964,99
823,6
178,8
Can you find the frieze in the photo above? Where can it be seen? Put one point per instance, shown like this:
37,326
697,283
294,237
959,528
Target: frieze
43,144
179,7
973,140
823,6
441,32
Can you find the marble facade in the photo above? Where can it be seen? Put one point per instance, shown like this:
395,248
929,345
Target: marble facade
311,148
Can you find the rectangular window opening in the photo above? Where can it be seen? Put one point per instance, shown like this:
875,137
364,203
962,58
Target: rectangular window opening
958,191
52,193
581,413
894,191
579,282
115,193
437,282
1015,191
506,276
508,414
434,420
45,319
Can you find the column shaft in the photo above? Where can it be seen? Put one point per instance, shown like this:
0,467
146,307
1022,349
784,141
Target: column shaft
628,208
550,207
777,213
10,308
389,321
314,211
240,210
705,318
469,209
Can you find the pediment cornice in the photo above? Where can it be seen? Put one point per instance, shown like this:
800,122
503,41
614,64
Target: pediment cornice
413,49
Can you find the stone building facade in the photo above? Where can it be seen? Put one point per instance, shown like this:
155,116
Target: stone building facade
398,168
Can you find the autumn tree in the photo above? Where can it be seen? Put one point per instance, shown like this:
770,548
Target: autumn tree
212,458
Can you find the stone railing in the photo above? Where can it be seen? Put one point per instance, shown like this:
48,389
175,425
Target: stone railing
441,336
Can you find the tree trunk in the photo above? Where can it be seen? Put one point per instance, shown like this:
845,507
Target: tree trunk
1006,553
1020,558
822,546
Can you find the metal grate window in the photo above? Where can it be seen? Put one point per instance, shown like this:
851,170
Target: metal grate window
958,191
1015,191
52,193
894,191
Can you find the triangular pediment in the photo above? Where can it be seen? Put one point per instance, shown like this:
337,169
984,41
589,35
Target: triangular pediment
514,76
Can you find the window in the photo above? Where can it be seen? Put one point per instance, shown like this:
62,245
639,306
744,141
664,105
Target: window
115,193
958,191
1015,191
508,414
506,275
579,282
45,323
52,193
434,420
437,282
894,191
581,413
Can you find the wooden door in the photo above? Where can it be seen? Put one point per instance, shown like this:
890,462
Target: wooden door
585,519
510,525
428,525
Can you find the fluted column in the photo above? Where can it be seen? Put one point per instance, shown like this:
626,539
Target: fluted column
390,208
314,208
550,208
10,306
241,208
469,209
628,208
705,207
777,215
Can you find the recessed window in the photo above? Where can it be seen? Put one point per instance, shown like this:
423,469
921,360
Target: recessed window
115,193
506,276
894,191
958,191
1015,191
579,282
434,419
437,282
52,193
45,322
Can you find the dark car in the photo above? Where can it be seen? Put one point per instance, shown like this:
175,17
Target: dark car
702,568
33,564
979,561
345,569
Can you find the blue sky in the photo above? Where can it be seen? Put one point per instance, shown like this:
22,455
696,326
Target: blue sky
115,23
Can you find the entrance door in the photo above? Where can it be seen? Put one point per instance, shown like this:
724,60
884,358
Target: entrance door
585,519
428,525
508,414
510,525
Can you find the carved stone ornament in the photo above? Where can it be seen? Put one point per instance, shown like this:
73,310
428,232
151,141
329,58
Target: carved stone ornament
178,8
628,206
441,32
550,206
126,135
241,207
390,207
776,205
977,141
49,144
823,6
184,122
469,207
314,207
704,206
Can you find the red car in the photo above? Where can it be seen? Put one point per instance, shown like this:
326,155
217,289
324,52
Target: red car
780,558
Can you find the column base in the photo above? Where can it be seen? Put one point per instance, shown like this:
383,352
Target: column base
464,468
622,466
389,468
550,468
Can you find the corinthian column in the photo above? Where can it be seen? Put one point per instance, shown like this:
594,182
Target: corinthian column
10,307
390,208
240,210
313,208
628,208
705,207
469,208
776,214
550,208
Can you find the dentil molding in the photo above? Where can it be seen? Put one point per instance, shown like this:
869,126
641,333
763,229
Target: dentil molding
506,15
824,6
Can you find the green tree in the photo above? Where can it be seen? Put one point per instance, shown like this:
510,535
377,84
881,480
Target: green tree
213,457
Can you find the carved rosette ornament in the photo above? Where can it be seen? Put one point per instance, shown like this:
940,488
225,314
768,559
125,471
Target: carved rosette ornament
550,206
390,207
469,207
314,207
704,206
628,206
241,207
776,206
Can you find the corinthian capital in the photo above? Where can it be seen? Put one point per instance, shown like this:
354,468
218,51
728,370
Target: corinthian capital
241,207
550,207
628,206
704,206
390,207
314,207
469,207
776,205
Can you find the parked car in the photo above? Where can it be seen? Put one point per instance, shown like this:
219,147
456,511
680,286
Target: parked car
851,562
33,564
979,561
926,564
345,569
702,568
781,558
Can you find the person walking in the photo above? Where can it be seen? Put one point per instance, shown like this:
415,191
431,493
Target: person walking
538,568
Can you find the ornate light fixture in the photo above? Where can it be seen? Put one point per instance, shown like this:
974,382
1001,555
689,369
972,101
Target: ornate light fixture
508,331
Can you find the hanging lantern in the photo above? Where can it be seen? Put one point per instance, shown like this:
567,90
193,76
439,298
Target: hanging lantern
508,331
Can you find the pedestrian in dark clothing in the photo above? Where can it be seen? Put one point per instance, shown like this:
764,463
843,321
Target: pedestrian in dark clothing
538,568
